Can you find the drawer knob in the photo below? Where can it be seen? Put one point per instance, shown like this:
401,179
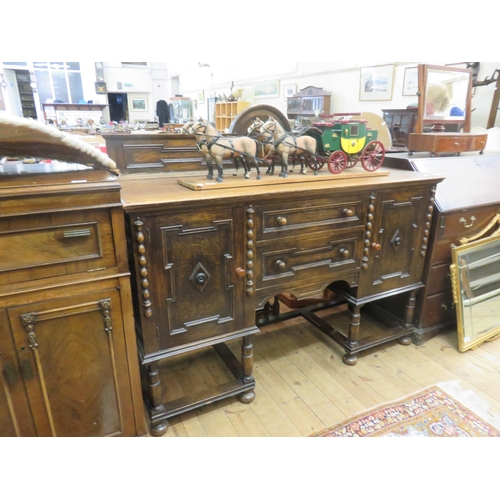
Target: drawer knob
348,212
281,221
376,246
281,265
240,272
344,252
456,143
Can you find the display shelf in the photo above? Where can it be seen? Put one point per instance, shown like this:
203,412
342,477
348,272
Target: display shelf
225,112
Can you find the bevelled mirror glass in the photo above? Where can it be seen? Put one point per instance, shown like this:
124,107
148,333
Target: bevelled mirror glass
446,94
475,275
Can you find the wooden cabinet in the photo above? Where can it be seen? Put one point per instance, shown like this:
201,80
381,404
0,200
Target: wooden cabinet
67,339
466,201
401,123
203,263
309,102
26,94
225,112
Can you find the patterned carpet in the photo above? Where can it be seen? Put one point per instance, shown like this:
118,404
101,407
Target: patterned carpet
442,410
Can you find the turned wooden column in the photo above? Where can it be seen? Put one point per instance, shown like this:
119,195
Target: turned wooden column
247,366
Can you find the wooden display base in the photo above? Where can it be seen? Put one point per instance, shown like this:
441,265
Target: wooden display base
235,181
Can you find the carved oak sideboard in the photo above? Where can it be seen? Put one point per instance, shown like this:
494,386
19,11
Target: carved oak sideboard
466,202
204,261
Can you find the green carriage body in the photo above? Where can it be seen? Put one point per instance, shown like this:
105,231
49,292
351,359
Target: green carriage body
348,136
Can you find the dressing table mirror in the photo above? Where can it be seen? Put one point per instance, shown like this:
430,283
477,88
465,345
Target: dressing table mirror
444,112
475,276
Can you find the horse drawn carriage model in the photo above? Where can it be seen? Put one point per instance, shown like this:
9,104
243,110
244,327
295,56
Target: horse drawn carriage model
339,141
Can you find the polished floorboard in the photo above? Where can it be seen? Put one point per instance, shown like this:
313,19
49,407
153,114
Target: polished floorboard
302,385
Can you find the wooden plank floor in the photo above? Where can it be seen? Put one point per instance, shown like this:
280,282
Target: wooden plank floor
302,385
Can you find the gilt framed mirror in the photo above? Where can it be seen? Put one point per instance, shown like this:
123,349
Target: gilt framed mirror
475,276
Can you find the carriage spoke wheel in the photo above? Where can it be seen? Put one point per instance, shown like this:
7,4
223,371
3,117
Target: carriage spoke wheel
373,156
352,160
337,162
314,163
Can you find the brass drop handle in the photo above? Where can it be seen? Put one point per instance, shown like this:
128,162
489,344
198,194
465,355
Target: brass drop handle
344,252
376,246
465,223
240,272
348,212
281,265
281,221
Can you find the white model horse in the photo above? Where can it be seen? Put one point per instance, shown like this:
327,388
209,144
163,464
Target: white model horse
267,151
287,144
201,144
220,147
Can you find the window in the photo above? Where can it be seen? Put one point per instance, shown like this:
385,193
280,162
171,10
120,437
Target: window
59,81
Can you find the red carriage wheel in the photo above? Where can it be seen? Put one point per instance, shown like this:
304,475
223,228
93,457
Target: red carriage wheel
337,162
373,156
314,163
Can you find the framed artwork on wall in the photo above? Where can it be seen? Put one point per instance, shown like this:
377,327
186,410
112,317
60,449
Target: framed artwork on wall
139,104
376,82
410,82
289,90
100,87
201,96
268,89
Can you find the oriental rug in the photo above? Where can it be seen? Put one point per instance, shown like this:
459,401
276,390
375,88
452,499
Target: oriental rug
442,410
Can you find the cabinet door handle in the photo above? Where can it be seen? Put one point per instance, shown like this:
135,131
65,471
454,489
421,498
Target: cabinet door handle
240,272
376,246
281,221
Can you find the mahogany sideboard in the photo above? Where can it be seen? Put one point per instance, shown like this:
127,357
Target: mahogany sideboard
203,262
466,201
68,355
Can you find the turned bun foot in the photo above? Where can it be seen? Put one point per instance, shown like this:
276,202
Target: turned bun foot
350,359
405,341
159,428
247,397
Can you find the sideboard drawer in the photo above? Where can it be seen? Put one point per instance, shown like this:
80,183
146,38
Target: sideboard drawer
286,219
309,258
439,278
47,245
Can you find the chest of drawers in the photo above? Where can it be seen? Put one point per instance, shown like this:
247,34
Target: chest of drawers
466,201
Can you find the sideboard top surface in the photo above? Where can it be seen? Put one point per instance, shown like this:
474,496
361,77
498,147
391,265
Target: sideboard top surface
157,190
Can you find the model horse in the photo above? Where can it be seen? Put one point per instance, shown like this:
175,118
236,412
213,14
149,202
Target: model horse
265,141
220,147
201,144
286,144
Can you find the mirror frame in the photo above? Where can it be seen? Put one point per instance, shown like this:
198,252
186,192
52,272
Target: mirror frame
423,70
456,253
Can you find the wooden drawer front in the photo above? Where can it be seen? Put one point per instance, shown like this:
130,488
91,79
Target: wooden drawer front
308,258
439,278
287,219
452,144
41,246
461,224
478,142
438,308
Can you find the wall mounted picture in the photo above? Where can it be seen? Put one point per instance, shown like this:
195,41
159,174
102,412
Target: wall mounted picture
410,83
289,90
100,87
376,83
268,89
139,104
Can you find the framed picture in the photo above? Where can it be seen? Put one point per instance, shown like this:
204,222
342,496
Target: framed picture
139,104
268,89
376,83
201,96
410,82
100,87
289,90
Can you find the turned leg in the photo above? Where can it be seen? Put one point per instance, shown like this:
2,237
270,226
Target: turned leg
352,339
154,384
409,310
247,365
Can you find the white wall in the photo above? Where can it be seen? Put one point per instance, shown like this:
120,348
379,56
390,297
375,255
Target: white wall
342,79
